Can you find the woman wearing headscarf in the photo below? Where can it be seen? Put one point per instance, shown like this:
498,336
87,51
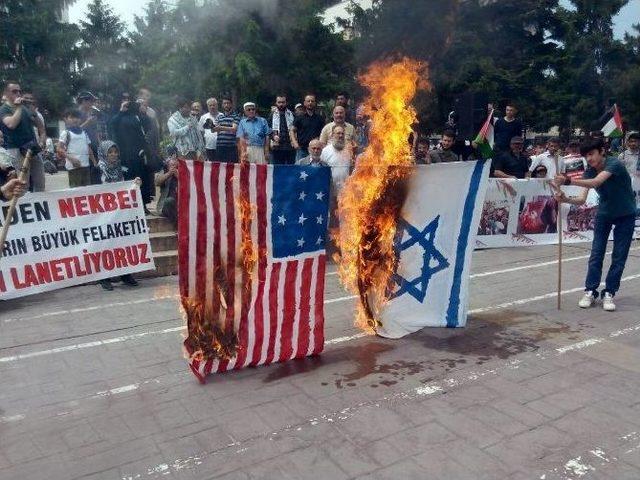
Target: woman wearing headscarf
112,171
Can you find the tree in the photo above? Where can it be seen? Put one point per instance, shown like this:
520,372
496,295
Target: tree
247,48
38,50
588,63
104,64
498,48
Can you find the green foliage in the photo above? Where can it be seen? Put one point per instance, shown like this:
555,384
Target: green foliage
557,60
105,68
247,49
560,65
38,50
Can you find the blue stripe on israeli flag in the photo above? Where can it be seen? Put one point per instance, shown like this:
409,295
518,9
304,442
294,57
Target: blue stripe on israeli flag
463,242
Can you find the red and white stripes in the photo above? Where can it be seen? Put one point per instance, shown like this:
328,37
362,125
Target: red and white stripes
277,310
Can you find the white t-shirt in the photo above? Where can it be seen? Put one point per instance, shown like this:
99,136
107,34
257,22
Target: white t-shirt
325,134
210,138
546,159
340,163
77,146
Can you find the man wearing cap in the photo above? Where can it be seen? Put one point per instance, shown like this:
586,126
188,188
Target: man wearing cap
253,136
512,164
90,120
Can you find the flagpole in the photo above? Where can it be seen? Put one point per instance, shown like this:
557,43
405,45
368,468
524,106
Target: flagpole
559,227
559,224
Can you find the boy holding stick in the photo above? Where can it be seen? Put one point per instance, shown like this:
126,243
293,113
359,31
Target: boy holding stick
617,211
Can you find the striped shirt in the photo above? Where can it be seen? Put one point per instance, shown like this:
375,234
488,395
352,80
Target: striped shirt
227,139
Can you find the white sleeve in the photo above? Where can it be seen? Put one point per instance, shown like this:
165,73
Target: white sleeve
176,131
535,161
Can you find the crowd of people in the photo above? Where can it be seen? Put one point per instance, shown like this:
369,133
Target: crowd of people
96,148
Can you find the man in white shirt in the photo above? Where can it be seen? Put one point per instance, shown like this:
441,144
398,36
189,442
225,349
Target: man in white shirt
210,137
630,158
549,159
339,115
338,155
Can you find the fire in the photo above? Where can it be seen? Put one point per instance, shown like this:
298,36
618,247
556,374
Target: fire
206,337
372,197
249,252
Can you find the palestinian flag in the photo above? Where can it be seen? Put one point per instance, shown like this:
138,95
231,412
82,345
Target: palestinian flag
613,128
484,140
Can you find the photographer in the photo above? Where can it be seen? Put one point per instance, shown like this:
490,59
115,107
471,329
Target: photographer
128,132
20,124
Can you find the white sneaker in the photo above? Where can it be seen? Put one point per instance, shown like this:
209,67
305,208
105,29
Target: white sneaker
607,303
587,300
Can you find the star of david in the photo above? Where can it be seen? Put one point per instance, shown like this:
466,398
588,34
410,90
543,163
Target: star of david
425,238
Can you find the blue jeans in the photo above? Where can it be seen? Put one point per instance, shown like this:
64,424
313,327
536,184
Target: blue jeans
622,236
301,153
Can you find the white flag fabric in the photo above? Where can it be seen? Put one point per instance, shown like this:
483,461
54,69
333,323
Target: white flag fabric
435,240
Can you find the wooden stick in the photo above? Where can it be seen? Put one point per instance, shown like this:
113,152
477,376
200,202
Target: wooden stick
559,226
24,176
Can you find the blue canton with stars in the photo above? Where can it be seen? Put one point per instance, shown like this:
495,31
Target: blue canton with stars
417,287
299,209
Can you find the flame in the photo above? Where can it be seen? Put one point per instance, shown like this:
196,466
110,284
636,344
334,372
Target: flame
370,202
247,247
207,335
206,338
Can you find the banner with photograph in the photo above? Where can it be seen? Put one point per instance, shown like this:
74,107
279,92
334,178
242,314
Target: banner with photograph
75,236
520,213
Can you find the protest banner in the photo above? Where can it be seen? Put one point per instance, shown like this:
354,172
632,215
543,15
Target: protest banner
69,237
520,213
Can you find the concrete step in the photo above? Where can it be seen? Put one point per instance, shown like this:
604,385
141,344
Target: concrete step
159,224
166,264
163,241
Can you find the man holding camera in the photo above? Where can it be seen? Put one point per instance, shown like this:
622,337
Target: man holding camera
19,124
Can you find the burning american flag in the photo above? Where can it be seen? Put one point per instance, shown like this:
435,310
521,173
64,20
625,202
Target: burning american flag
251,262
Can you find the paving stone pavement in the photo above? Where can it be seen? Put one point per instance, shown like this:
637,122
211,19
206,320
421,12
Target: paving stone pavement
94,386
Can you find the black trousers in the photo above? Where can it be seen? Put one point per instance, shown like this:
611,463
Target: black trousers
283,157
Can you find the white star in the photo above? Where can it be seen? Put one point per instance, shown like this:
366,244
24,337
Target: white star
301,242
301,219
319,241
281,219
302,195
319,220
320,195
303,176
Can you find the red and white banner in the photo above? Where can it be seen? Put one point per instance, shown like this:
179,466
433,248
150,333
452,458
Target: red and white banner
276,309
69,237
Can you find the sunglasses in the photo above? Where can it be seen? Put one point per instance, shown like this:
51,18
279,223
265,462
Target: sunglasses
249,108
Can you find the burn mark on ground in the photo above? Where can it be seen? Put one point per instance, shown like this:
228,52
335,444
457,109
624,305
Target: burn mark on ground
489,336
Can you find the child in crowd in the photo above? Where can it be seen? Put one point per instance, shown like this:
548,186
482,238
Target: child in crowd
167,180
75,147
111,171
